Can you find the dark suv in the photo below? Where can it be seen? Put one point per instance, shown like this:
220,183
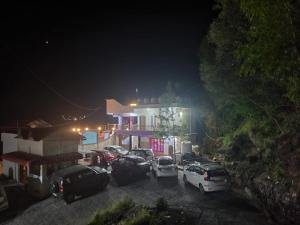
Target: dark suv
77,180
147,154
127,168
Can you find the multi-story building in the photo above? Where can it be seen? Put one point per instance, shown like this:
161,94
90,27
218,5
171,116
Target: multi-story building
139,123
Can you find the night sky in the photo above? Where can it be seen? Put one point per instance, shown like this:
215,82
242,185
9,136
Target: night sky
89,53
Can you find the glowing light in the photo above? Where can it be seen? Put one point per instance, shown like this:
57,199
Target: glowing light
113,129
99,128
180,114
74,129
133,104
127,128
86,128
78,129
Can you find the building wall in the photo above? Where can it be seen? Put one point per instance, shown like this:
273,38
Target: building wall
30,146
182,115
14,166
9,142
54,147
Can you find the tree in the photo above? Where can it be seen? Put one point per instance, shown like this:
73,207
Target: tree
168,112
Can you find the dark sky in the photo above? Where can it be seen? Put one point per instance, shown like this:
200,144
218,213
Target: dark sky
92,52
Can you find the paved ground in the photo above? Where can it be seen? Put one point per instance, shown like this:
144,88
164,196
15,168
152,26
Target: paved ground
215,208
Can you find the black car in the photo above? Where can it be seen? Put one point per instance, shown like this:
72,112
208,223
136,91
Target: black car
127,168
78,180
147,154
188,158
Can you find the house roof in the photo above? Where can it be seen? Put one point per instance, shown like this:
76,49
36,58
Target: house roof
23,158
38,134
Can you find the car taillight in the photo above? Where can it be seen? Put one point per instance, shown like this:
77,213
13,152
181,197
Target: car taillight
206,177
61,186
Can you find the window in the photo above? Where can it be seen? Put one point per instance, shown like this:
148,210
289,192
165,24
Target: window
87,173
165,162
191,168
217,172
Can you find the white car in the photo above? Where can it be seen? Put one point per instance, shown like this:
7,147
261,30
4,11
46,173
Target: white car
163,166
207,177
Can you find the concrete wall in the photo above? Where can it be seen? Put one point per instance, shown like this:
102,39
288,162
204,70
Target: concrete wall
10,143
54,147
30,146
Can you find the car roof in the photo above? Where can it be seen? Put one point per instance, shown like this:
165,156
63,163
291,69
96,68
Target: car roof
142,149
164,157
208,166
70,170
132,157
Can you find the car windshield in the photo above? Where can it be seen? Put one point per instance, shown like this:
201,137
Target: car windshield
217,173
165,162
149,153
121,149
107,153
140,160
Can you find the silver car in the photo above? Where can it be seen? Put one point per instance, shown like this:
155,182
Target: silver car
207,177
164,166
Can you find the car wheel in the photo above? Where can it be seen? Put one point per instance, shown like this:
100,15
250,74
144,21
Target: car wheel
69,198
185,181
202,191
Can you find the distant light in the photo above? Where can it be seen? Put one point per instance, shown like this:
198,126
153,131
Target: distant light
113,129
99,128
180,114
127,128
86,128
74,129
133,104
78,129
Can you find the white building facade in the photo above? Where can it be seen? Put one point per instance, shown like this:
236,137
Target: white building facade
138,124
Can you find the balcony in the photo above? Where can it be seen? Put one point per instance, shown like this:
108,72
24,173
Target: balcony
127,127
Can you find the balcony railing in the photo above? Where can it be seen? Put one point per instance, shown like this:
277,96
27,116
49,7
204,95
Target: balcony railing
133,127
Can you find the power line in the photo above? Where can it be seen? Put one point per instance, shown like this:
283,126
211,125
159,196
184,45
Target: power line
56,92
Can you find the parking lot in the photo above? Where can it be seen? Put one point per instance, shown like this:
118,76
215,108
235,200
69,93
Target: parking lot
214,208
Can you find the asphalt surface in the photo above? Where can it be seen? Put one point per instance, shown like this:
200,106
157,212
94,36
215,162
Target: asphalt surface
213,208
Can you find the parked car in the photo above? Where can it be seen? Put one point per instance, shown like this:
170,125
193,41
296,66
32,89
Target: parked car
77,180
207,177
117,150
147,154
164,166
126,169
103,158
13,198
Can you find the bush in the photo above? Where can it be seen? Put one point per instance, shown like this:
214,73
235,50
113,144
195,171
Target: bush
142,217
114,213
161,205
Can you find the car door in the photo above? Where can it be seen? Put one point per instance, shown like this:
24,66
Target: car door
198,176
193,176
188,173
154,165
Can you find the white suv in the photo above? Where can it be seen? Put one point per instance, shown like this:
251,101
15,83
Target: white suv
163,166
207,177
